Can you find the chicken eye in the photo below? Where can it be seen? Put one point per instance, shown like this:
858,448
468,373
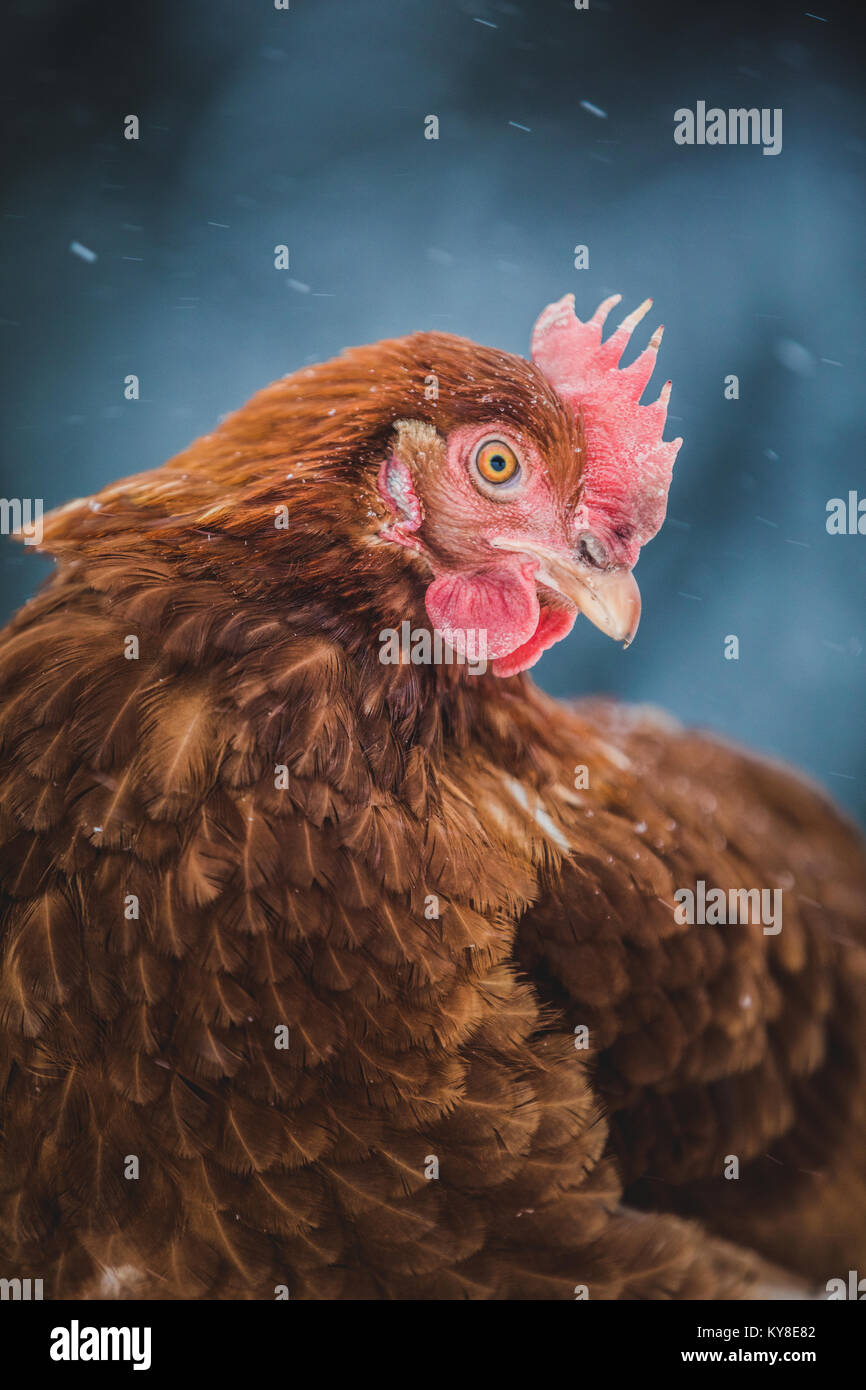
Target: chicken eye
496,462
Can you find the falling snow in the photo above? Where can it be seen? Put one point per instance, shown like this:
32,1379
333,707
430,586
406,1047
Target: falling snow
83,252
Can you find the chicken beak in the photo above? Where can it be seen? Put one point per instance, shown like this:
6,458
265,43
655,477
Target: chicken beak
609,598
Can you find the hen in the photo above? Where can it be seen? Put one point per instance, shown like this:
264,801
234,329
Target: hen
338,961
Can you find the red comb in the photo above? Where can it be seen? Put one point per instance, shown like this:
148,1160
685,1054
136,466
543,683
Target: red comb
628,465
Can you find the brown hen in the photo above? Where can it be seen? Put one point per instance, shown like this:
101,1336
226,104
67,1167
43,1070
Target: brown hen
341,976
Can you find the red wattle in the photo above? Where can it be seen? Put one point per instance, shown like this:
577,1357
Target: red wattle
553,625
500,602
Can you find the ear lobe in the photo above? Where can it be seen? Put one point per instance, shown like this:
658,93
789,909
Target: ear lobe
397,489
421,443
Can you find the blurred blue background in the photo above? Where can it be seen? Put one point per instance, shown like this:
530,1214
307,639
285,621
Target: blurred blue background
306,127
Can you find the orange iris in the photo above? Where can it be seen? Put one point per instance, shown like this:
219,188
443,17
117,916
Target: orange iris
496,462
